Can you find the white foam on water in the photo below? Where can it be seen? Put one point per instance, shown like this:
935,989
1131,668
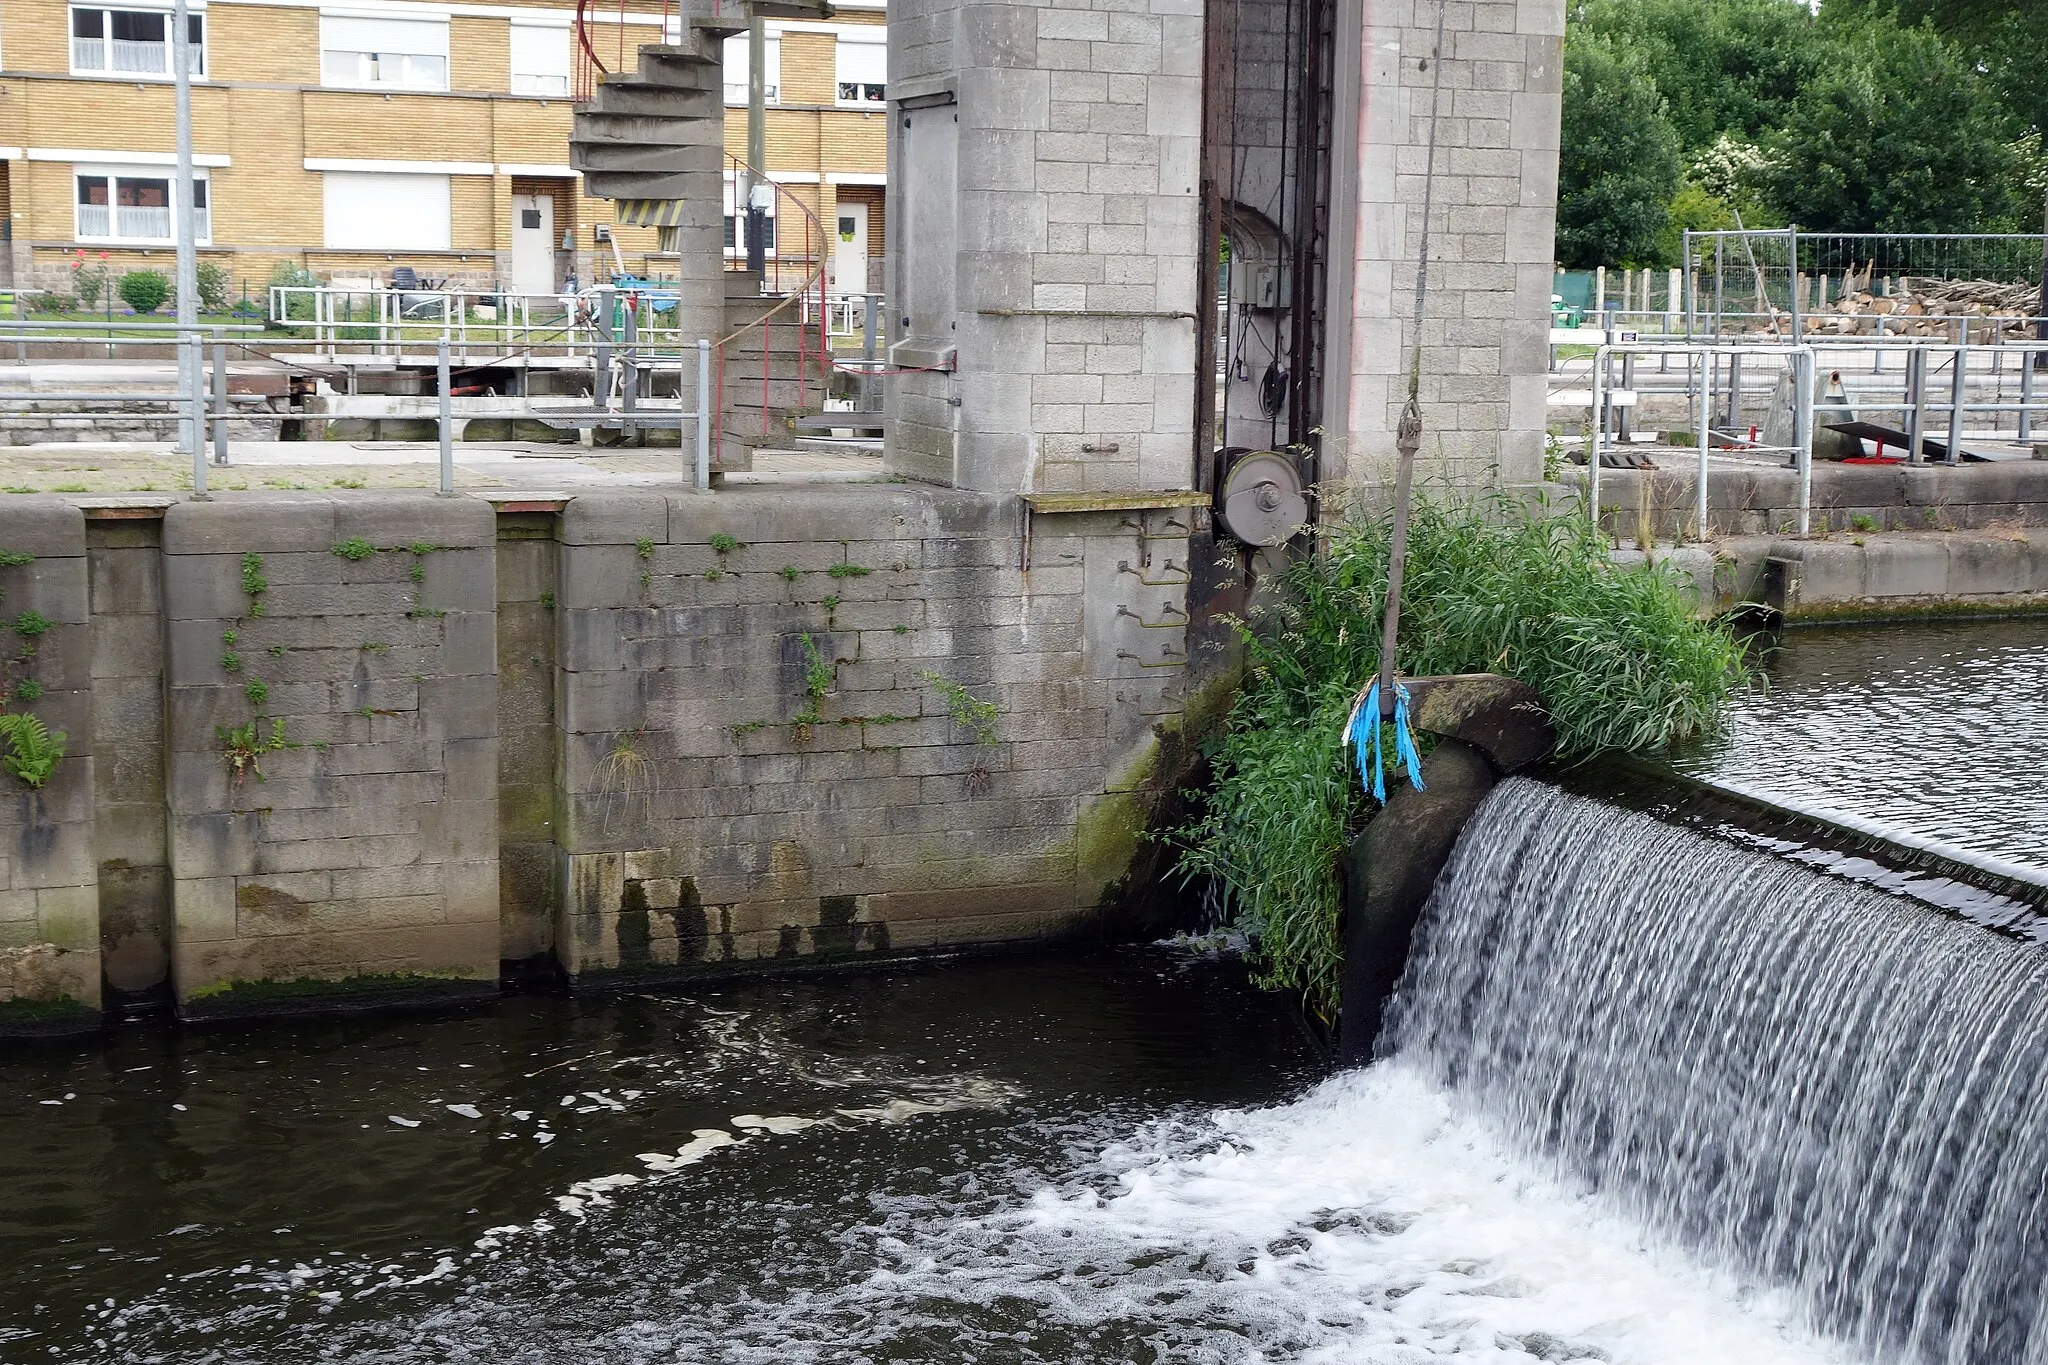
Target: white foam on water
1368,1222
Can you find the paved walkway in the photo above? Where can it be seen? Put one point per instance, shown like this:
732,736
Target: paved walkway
153,467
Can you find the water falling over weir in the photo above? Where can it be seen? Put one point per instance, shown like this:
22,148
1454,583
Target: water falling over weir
1818,1084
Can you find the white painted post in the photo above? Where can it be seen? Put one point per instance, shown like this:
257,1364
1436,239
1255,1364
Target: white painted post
220,395
1600,291
704,414
192,374
1802,407
1705,435
194,401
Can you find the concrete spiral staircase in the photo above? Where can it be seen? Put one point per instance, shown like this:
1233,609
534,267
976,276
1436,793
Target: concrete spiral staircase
657,134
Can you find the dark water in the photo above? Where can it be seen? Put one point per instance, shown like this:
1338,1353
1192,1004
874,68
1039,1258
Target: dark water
1124,1158
1940,730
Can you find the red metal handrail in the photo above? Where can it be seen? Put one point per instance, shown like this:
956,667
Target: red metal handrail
812,351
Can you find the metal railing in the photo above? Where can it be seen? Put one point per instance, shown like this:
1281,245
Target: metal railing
620,365
386,320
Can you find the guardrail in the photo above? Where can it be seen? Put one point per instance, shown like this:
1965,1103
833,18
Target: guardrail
201,403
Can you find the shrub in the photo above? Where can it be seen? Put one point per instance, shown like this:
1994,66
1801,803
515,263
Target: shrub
145,290
1616,653
53,303
214,286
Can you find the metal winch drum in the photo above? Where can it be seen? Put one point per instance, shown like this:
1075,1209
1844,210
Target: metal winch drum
1260,499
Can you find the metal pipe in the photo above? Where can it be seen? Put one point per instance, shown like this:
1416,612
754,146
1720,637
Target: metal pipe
704,414
629,378
1593,433
1916,403
1959,398
445,427
220,398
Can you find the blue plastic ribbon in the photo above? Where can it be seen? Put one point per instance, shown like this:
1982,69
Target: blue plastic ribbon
1364,733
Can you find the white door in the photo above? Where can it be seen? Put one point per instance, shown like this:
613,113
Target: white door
850,252
533,244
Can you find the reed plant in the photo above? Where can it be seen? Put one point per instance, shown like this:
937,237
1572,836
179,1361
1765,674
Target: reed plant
1617,652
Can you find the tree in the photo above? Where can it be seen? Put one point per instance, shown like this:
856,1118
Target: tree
2007,38
1619,167
1722,66
1897,134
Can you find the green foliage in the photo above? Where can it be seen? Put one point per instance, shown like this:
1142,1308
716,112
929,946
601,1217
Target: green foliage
214,286
33,750
968,711
229,637
244,745
1896,134
788,572
713,574
424,547
30,624
644,547
278,651
723,543
547,601
15,559
354,549
849,571
748,727
1615,652
145,290
89,282
28,689
230,662
254,584
1863,521
257,691
1619,168
1870,115
902,630
819,674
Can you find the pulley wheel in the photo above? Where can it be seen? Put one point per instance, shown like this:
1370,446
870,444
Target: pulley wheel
1261,501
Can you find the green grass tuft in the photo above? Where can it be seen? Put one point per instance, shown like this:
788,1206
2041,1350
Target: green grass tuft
1491,588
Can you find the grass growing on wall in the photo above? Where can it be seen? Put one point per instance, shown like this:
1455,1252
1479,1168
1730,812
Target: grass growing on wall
1615,652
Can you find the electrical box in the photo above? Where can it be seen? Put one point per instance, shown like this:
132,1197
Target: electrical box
1259,286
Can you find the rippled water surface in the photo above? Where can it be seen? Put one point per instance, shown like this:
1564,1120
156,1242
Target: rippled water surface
1130,1157
1941,730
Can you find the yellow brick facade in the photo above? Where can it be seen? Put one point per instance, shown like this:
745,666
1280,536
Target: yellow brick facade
261,115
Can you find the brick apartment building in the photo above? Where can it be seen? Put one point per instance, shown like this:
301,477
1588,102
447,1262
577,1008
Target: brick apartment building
354,136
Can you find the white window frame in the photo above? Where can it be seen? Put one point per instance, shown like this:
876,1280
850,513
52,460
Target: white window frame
114,175
735,62
546,84
389,67
196,14
868,94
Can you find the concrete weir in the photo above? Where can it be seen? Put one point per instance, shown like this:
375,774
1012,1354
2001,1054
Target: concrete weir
349,748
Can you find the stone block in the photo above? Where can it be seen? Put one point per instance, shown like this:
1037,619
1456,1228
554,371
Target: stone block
389,520
48,528
234,524
614,519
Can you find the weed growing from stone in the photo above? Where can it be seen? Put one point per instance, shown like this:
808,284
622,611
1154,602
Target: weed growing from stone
903,630
968,711
27,690
257,691
33,751
849,571
15,559
228,637
230,662
623,779
278,651
31,624
789,572
547,601
245,745
254,584
748,727
355,549
819,675
644,547
713,574
349,483
723,543
1493,587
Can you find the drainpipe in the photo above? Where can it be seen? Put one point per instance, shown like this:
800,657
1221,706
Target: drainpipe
191,437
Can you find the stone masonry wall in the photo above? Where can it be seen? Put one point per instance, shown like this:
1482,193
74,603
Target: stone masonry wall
1072,248
49,904
731,793
1492,241
383,746
366,847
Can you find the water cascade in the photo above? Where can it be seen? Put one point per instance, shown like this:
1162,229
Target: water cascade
1816,1083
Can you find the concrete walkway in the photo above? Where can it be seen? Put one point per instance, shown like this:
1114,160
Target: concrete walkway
154,467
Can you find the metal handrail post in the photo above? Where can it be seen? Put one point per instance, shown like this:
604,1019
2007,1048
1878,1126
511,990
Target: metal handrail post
1802,433
196,413
1959,397
601,357
629,378
1594,430
1916,403
2027,358
446,415
704,413
1705,434
220,397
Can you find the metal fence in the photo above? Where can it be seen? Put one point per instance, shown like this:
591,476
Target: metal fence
1776,280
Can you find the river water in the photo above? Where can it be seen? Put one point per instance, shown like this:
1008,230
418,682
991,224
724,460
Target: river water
1940,730
1125,1157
